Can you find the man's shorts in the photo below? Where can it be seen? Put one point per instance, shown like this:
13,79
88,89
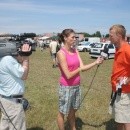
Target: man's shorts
121,108
53,55
69,97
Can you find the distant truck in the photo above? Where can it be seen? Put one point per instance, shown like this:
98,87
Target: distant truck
92,39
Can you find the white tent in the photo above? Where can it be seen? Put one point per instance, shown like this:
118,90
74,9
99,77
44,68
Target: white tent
44,37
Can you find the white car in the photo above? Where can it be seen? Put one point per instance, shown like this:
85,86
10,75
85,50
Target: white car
98,48
84,46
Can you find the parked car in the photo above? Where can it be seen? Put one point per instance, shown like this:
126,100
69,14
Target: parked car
84,46
96,50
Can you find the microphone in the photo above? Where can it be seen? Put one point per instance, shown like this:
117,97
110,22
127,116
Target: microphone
104,53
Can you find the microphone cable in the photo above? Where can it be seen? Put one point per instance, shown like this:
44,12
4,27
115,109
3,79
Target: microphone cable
7,115
89,85
104,55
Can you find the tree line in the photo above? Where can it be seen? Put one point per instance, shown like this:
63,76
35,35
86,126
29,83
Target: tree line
31,35
96,34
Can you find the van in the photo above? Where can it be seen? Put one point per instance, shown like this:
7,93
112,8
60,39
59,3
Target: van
92,39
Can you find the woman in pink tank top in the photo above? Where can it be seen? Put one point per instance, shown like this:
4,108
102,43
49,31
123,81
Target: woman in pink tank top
70,65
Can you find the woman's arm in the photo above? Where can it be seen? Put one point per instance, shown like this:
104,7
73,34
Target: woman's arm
83,67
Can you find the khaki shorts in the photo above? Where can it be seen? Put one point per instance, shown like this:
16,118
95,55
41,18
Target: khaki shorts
121,108
15,113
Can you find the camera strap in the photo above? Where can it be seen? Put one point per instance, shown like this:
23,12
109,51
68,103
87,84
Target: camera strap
7,115
25,53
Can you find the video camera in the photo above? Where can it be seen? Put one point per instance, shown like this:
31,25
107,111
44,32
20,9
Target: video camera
13,48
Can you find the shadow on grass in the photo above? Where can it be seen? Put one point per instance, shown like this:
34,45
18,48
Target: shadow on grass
36,128
110,125
78,122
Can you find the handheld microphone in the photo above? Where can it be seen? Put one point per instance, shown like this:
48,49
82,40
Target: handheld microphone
104,53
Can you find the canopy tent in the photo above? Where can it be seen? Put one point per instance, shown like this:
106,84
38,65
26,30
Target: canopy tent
44,38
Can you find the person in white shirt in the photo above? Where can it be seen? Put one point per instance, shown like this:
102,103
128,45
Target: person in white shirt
53,46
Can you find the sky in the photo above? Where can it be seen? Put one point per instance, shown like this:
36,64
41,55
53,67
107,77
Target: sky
53,16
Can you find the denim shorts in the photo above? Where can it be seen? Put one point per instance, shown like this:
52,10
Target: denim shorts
69,98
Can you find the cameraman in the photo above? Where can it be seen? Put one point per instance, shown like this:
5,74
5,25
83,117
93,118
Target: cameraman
13,71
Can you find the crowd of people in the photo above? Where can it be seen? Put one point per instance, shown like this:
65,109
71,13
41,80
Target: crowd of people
14,70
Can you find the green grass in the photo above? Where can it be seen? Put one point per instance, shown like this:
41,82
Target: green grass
42,92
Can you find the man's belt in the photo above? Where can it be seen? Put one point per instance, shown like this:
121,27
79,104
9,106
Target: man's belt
12,96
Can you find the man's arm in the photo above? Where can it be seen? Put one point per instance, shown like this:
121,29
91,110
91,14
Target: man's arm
25,59
25,65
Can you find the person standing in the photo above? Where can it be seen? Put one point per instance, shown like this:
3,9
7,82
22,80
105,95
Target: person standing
41,44
120,78
70,65
13,71
53,45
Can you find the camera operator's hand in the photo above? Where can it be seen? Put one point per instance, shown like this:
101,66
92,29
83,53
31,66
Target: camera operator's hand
25,53
26,48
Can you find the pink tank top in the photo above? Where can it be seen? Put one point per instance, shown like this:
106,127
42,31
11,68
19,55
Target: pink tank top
73,63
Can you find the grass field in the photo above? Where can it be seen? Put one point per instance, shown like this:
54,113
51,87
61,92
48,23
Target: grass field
42,92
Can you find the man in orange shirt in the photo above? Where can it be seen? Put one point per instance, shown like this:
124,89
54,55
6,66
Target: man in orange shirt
120,78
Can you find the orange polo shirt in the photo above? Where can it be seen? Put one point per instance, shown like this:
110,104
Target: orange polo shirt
121,67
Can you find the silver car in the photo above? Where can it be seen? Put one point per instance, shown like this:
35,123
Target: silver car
84,46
